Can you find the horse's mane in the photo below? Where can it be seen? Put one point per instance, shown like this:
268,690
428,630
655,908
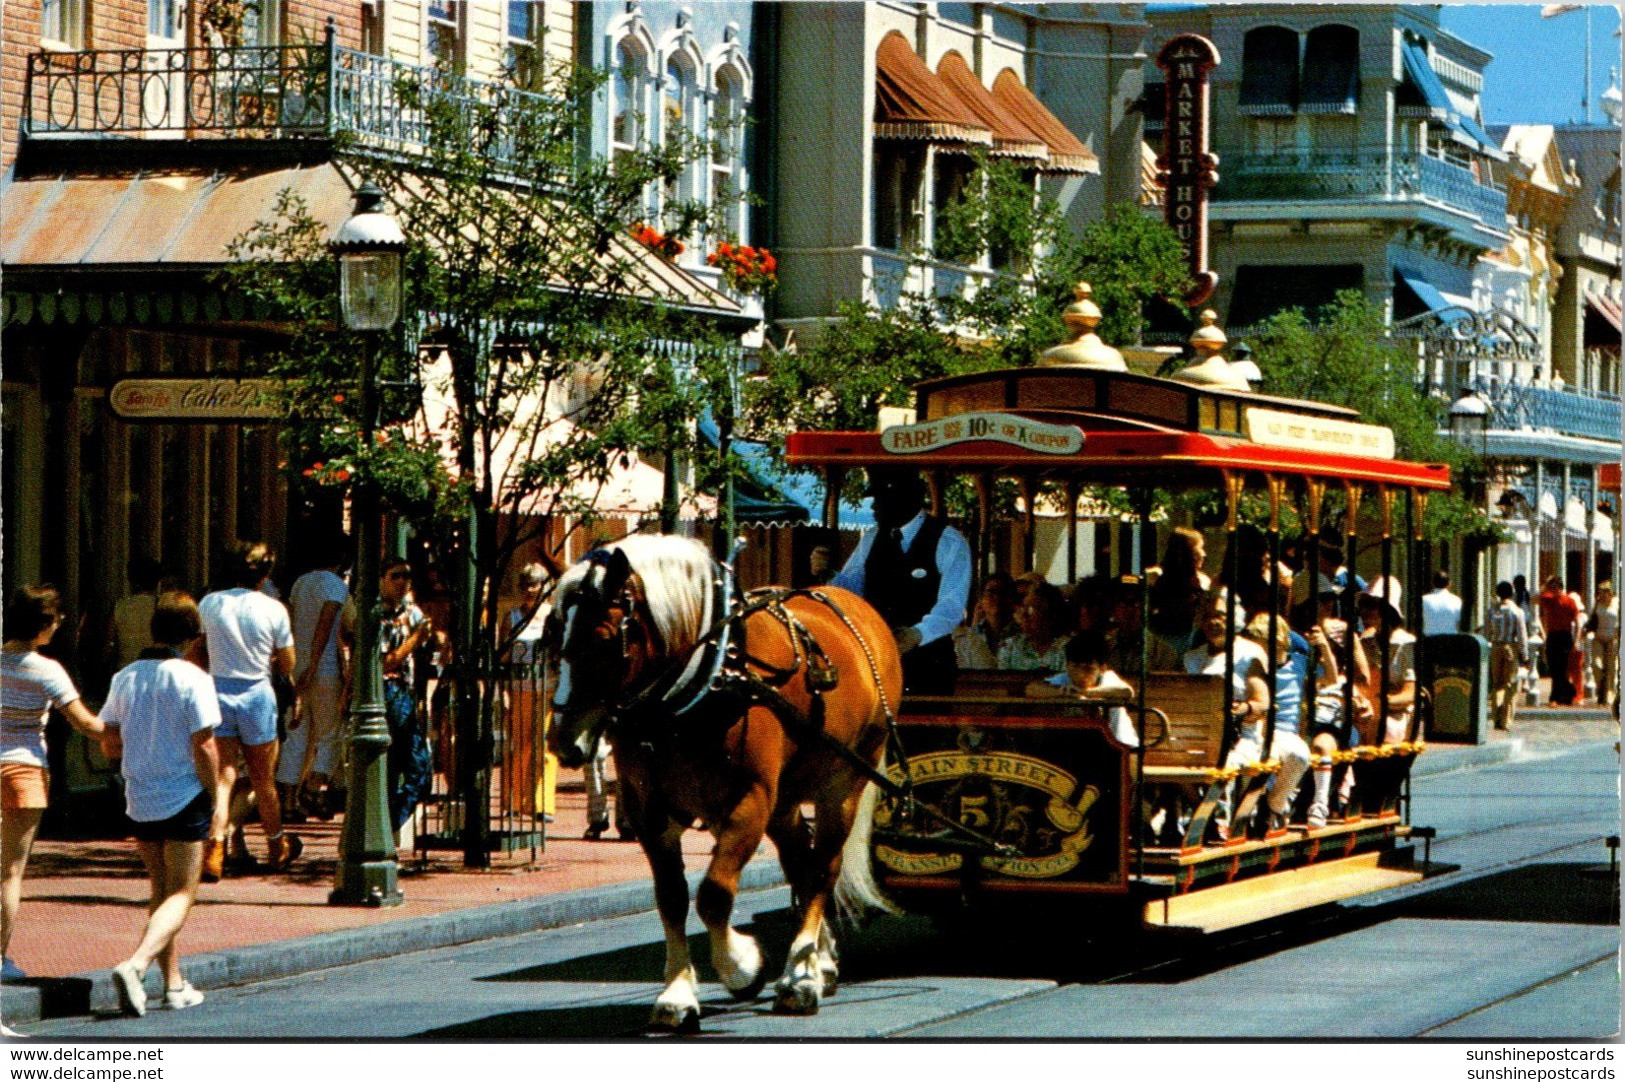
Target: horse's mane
676,575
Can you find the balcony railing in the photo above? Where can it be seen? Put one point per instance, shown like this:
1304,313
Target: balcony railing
1521,405
892,276
262,92
1360,176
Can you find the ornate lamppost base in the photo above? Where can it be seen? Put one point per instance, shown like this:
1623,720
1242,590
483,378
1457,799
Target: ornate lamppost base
371,883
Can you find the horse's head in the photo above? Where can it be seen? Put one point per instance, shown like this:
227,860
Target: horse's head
623,615
600,644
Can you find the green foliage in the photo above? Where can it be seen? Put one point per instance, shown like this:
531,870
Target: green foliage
1343,355
527,367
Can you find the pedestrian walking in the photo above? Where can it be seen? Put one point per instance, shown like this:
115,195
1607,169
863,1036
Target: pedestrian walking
1559,616
31,684
128,632
402,629
308,772
162,712
1509,652
1605,643
1441,609
246,637
526,764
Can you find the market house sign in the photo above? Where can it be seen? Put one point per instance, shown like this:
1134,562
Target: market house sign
995,427
204,398
1186,169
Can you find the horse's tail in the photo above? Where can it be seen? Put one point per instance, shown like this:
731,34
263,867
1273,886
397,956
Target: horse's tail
856,890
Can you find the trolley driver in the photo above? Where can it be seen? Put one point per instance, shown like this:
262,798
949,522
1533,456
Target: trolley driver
915,570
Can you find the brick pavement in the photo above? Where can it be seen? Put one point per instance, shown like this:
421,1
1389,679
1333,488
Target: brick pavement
83,901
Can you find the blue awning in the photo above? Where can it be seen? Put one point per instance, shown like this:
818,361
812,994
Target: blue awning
1463,128
772,494
1433,299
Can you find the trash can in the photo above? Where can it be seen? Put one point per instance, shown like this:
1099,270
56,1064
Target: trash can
1456,670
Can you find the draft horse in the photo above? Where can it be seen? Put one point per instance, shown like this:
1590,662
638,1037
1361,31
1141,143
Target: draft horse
729,714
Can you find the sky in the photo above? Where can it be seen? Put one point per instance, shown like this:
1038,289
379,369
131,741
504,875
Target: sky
1537,74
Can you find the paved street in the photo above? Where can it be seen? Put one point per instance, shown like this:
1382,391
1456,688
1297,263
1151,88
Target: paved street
1518,943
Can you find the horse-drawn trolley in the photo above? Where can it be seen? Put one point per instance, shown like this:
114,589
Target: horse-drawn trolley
1004,796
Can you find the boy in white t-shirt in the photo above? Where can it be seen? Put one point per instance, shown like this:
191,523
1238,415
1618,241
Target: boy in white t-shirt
162,713
1089,677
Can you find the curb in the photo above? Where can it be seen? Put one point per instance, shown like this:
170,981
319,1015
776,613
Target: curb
1442,760
84,993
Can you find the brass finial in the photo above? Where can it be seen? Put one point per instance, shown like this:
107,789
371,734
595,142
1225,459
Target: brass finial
1210,368
1086,350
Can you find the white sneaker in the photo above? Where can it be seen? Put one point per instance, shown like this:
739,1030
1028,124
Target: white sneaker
178,999
1317,816
132,997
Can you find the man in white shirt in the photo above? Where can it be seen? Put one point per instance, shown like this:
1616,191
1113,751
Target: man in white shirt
1605,642
1441,609
915,570
311,752
246,637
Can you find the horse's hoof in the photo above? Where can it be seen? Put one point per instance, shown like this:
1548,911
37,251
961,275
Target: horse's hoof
751,990
832,983
798,998
670,1018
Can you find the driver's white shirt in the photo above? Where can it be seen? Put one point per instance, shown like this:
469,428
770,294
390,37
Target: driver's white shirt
953,564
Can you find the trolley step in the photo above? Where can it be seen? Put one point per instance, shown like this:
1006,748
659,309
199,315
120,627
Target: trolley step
1215,909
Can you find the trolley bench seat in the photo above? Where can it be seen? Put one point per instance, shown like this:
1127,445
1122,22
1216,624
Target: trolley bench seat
1194,708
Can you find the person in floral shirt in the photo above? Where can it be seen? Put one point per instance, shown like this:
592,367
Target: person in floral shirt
402,629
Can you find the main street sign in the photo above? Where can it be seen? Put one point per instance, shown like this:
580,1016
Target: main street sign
1186,169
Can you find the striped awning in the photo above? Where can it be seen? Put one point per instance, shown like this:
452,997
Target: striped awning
1011,138
1606,307
1067,154
913,104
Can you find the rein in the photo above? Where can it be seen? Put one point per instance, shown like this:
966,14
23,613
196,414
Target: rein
719,664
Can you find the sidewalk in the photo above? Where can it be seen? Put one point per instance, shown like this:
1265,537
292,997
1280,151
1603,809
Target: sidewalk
84,901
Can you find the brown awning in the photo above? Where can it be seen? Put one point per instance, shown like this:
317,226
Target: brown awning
911,103
1011,138
1606,308
1067,154
187,221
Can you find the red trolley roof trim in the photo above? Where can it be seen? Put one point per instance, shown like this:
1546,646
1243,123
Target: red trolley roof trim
1177,457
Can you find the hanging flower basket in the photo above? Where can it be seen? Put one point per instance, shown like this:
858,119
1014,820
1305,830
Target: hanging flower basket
744,268
656,241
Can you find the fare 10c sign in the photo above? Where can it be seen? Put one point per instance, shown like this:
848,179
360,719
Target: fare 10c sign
1186,169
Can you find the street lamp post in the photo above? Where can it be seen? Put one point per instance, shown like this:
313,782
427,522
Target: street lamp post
1469,426
369,247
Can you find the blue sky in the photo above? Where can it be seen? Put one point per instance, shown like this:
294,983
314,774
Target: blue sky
1537,74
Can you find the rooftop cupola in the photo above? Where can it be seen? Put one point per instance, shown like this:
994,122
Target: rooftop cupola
1210,368
1086,350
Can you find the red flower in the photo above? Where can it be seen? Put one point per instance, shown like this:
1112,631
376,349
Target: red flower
341,475
338,398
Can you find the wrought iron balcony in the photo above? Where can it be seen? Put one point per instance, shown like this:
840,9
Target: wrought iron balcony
1520,405
258,92
1378,175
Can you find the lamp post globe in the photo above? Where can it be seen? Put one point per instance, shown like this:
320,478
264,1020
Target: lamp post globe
370,248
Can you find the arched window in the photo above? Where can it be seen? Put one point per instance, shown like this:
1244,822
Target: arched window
727,135
1269,72
679,116
1331,70
627,104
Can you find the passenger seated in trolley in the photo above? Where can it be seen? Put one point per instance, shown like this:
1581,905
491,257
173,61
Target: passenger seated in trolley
1326,636
1088,676
1286,746
1379,613
1041,642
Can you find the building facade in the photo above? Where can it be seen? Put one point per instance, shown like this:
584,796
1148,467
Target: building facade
877,107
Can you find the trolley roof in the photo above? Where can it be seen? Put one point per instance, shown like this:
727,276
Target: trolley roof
1108,427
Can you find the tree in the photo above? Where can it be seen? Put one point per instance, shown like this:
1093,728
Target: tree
535,338
1344,356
